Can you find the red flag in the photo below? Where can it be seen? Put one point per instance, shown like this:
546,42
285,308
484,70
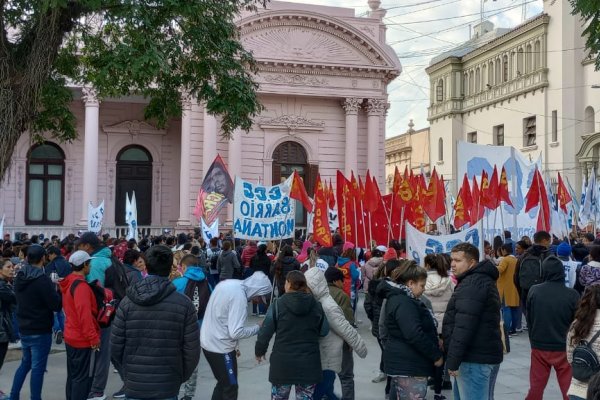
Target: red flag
484,188
537,195
466,193
503,188
478,209
462,215
563,195
321,231
331,196
416,214
397,181
298,192
345,208
433,199
372,194
491,196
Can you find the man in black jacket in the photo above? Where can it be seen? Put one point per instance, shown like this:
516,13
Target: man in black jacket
471,326
153,362
38,300
550,311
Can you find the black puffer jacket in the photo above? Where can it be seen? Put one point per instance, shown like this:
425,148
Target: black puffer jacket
373,301
411,346
280,269
551,308
8,302
471,327
297,325
155,339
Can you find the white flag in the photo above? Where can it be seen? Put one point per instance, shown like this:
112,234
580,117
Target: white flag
2,227
95,217
131,216
209,232
588,211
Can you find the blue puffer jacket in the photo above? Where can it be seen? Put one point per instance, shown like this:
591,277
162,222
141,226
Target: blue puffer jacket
99,264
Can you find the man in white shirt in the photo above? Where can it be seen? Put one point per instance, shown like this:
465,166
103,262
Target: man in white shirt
224,325
563,251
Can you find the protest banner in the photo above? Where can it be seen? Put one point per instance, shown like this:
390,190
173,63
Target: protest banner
263,212
215,192
95,217
209,231
131,216
419,244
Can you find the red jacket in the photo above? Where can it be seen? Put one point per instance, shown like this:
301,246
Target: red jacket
247,254
81,327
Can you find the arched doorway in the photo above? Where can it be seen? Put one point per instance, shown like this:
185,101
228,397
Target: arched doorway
290,156
134,173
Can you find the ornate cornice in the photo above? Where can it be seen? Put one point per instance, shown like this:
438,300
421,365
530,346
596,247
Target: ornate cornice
133,127
296,79
292,123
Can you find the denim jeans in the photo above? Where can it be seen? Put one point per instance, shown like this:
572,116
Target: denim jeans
59,321
35,357
325,387
473,381
512,318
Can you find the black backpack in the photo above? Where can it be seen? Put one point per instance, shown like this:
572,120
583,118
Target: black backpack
530,272
105,302
199,293
585,362
116,279
212,263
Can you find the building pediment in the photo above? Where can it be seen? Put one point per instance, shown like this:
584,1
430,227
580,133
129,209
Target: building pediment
309,39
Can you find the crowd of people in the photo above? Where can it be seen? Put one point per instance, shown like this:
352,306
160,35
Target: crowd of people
150,308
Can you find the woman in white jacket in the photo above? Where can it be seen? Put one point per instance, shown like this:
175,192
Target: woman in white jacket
340,331
438,289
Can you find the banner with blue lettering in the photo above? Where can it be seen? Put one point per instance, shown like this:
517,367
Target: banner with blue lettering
263,212
419,244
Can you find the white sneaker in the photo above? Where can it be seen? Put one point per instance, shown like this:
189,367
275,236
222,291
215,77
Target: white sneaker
379,378
96,396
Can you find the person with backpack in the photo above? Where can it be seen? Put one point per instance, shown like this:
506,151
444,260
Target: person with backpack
57,268
584,331
550,311
82,331
228,263
196,287
284,263
528,271
155,338
212,256
110,273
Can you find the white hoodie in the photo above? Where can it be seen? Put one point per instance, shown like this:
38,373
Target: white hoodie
226,312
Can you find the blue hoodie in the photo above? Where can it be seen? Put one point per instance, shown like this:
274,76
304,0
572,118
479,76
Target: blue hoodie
354,272
194,273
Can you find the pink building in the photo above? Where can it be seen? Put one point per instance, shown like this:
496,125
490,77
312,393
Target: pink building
323,75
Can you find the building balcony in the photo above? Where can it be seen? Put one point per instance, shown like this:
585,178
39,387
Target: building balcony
522,84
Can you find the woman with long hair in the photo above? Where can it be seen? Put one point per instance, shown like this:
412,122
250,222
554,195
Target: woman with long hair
438,289
8,303
584,327
284,264
297,320
590,273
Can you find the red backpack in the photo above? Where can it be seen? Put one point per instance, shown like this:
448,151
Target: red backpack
104,301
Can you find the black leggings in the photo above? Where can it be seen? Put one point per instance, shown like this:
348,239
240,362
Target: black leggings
3,350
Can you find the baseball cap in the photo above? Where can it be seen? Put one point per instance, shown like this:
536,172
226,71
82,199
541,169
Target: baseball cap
79,257
381,248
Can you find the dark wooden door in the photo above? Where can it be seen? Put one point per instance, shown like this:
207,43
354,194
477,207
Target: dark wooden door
134,176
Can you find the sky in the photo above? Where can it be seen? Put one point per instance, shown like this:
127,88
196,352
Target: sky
418,30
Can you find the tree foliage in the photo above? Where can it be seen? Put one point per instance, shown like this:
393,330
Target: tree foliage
154,48
590,12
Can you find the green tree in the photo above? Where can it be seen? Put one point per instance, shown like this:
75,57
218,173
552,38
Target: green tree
590,13
154,48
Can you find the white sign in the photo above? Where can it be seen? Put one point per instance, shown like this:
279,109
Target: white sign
263,212
419,244
519,174
95,217
209,232
131,216
333,221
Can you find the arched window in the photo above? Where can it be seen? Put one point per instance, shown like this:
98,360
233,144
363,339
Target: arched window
477,80
465,85
439,91
134,174
290,156
498,78
471,83
491,74
484,76
590,120
45,185
505,68
537,55
441,149
528,58
520,60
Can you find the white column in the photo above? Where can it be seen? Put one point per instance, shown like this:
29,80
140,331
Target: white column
184,162
209,147
351,106
90,155
234,162
375,109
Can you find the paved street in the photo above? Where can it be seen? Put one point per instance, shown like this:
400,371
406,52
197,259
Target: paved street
512,381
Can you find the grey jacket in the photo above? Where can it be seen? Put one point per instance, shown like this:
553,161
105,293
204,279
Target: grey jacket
227,263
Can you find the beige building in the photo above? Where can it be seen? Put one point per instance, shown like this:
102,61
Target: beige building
530,87
410,149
